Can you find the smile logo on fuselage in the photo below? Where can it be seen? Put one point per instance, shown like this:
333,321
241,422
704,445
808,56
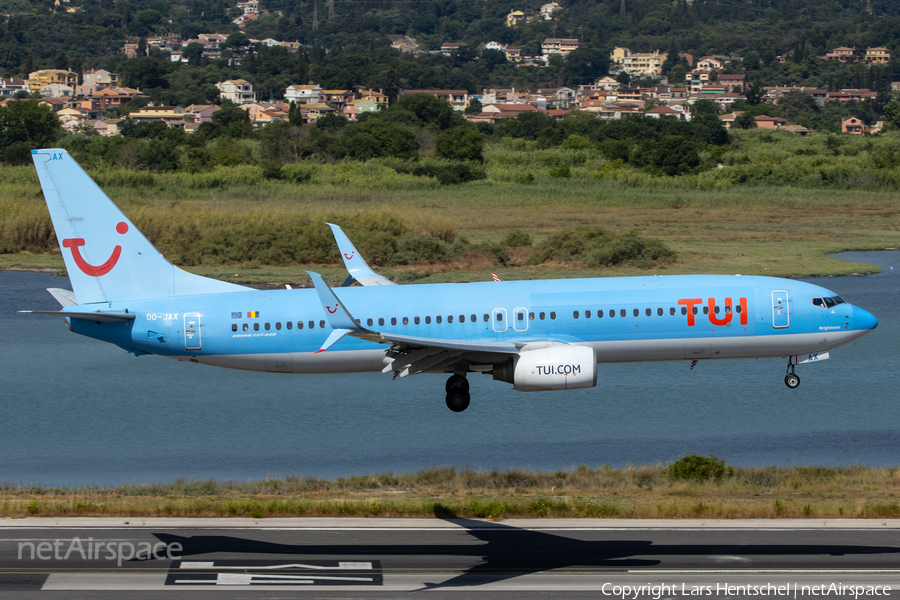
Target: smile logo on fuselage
87,268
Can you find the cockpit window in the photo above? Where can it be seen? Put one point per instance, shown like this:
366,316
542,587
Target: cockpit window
828,302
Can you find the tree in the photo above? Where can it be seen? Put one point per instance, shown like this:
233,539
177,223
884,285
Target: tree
704,106
674,155
460,143
474,107
892,114
28,122
754,93
430,111
373,138
745,121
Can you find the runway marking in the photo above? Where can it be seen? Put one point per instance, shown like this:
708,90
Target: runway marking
255,573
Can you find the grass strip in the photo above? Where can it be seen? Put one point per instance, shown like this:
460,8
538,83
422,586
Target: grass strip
446,492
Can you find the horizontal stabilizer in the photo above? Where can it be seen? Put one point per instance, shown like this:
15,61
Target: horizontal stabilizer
101,317
64,297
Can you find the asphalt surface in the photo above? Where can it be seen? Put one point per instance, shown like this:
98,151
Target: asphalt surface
456,558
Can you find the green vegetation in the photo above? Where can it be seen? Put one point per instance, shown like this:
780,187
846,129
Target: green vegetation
709,490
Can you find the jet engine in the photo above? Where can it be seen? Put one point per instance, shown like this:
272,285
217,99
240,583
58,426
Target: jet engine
558,367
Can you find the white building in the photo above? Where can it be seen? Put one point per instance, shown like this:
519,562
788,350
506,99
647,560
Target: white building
239,91
302,94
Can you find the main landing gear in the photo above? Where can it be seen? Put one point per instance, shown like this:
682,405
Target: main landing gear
457,393
792,380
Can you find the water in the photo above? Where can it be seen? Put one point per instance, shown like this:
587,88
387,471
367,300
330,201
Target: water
75,411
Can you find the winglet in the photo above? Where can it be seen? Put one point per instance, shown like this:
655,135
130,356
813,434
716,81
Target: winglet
356,265
340,319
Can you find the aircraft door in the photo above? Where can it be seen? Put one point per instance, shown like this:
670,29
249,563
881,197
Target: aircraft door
192,331
520,319
781,312
498,317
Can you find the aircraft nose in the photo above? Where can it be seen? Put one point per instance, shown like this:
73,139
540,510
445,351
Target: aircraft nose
863,319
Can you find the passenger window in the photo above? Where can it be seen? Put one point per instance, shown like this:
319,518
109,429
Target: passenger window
600,314
380,320
437,319
818,302
659,312
694,309
322,324
622,313
256,327
278,325
406,320
487,317
574,314
520,316
234,326
462,318
416,320
542,316
449,318
705,310
312,324
358,322
393,320
473,318
672,310
531,316
727,309
299,324
637,312
290,325
738,308
268,327
716,310
552,314
428,320
612,313
587,314
499,317
684,310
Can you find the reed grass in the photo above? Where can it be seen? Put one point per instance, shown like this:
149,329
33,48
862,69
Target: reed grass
763,212
647,491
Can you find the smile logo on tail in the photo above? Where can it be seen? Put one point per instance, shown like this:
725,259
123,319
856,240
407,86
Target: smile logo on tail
349,256
87,268
332,310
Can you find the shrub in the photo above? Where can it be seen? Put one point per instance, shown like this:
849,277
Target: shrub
697,468
563,171
599,247
517,239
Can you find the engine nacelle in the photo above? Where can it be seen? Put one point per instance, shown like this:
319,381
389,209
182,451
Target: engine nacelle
561,367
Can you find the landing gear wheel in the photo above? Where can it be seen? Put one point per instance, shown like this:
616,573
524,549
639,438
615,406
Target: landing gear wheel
792,380
458,400
457,382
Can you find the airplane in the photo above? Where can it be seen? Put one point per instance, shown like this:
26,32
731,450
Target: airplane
536,335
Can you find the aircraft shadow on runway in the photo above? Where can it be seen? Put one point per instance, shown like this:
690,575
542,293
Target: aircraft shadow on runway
508,552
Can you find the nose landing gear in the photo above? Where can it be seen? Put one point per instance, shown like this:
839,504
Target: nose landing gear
792,380
457,393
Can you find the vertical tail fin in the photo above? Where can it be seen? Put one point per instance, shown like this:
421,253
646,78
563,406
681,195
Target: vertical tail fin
106,256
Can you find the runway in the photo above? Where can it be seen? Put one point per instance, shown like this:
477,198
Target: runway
454,558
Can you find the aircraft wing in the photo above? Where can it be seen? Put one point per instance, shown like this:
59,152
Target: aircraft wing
356,265
408,354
